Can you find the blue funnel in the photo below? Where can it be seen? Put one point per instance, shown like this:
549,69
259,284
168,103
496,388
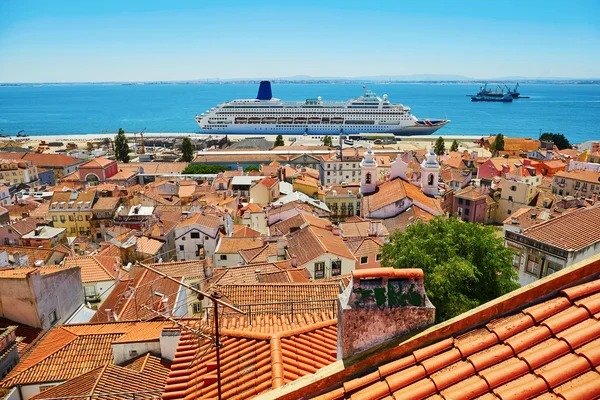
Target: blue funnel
264,91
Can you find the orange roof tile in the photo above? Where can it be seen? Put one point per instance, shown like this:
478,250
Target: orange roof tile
72,350
284,227
231,245
95,268
312,242
251,363
146,373
208,221
358,229
364,247
99,162
571,231
410,216
52,160
550,349
392,191
580,175
26,335
257,273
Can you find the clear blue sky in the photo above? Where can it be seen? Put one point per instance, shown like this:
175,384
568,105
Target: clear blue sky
105,40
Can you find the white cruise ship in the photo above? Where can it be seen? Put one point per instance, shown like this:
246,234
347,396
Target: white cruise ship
267,115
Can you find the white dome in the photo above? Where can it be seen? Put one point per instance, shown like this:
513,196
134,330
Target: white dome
385,97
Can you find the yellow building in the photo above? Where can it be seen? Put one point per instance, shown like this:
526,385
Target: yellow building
72,211
343,200
18,171
309,186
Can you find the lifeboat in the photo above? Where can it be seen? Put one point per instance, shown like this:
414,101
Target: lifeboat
254,120
337,120
286,120
300,120
314,120
269,120
241,120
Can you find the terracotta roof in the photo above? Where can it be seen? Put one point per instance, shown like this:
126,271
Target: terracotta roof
358,229
121,175
269,182
547,350
26,335
525,217
251,362
453,175
391,191
191,269
68,351
259,254
148,245
110,250
130,298
571,231
106,203
95,268
312,242
36,253
244,231
364,247
259,273
410,216
580,175
276,298
24,226
471,192
284,227
155,168
99,162
146,373
66,197
51,160
208,221
231,245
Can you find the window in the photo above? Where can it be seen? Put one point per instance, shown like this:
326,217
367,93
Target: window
319,270
378,258
54,218
552,267
533,265
79,218
516,260
513,188
195,235
368,178
364,259
223,257
467,211
509,212
90,291
460,201
197,308
430,180
181,248
336,268
510,198
53,317
98,236
71,218
468,202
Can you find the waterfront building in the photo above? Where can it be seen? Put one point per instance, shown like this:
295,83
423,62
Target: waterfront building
584,183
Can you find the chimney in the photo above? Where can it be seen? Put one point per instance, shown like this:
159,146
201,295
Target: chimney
380,304
505,168
108,312
282,245
375,229
294,261
161,229
169,339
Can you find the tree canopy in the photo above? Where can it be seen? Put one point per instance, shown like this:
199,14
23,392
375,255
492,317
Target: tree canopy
121,147
251,168
279,141
204,169
454,145
465,264
327,141
558,139
498,144
439,147
187,150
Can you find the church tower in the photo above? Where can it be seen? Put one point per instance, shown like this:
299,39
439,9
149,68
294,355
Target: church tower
368,172
430,173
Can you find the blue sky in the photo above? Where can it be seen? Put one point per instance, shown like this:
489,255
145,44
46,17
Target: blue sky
75,41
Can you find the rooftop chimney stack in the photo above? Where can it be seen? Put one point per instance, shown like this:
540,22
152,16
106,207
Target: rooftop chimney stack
380,304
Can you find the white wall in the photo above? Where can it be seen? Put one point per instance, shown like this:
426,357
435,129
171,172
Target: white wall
121,351
190,245
347,264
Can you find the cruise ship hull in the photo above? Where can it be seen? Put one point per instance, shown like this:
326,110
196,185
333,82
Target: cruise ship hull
266,115
253,129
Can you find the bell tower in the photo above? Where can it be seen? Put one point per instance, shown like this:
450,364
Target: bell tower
368,172
430,173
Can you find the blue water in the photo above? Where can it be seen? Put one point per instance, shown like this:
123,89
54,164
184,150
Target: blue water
73,109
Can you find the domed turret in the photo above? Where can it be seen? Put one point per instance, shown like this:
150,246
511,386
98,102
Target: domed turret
430,173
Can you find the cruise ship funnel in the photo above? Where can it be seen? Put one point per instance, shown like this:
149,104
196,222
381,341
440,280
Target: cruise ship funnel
264,91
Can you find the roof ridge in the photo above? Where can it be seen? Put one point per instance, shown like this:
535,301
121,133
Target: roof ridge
98,379
579,210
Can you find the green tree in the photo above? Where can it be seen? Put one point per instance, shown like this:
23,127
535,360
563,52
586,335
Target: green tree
327,141
204,169
187,150
121,147
454,146
439,147
558,139
498,144
279,141
251,168
465,264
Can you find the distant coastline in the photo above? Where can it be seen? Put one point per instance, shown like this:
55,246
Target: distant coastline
350,81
